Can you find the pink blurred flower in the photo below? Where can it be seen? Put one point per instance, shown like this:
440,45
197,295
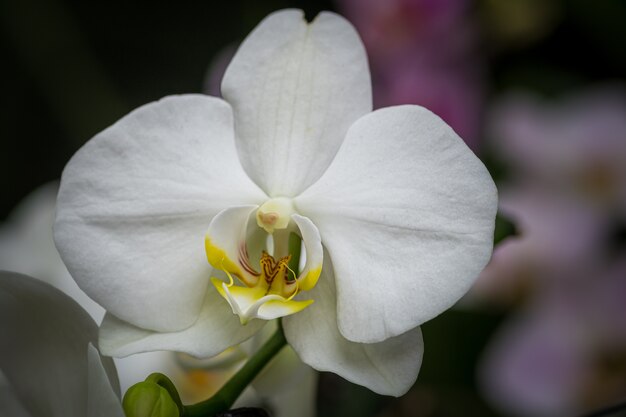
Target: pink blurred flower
423,52
392,28
566,354
557,239
575,147
454,93
566,189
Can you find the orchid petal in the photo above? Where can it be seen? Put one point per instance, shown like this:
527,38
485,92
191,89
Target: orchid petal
101,399
407,213
226,243
297,399
10,405
388,367
295,88
135,200
288,385
27,246
252,303
216,329
314,252
44,348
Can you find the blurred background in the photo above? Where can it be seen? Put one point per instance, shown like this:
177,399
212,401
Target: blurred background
536,88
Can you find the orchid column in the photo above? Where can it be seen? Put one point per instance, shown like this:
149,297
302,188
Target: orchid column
164,217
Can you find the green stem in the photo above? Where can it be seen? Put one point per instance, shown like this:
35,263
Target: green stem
224,399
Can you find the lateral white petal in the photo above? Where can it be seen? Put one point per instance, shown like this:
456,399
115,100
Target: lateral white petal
216,329
295,88
388,367
44,336
407,213
134,204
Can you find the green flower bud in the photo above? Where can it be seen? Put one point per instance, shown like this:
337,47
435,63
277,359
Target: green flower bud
148,399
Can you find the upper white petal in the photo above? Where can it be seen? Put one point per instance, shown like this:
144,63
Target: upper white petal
216,329
135,202
295,88
44,349
406,212
388,367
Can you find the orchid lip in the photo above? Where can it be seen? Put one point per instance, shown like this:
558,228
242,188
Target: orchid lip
272,294
266,289
252,303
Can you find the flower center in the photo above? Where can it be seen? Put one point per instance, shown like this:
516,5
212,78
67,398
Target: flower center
269,284
279,278
272,294
275,214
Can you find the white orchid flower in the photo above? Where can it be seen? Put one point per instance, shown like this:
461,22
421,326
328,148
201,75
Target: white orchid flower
49,366
396,214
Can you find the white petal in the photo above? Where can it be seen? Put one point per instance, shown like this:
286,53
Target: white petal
43,348
135,202
136,368
216,329
10,405
27,246
101,399
295,89
299,398
288,385
388,367
406,212
314,253
226,243
251,303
